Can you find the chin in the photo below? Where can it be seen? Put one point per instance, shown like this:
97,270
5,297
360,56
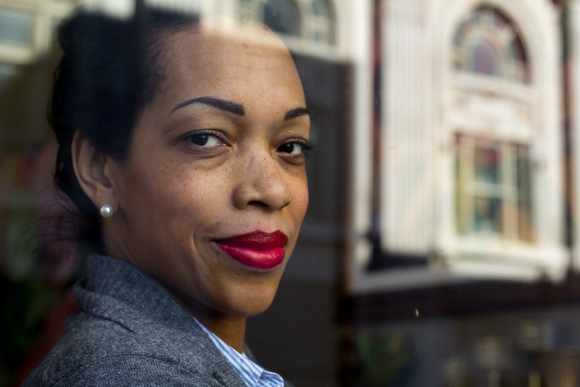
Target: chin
255,311
253,305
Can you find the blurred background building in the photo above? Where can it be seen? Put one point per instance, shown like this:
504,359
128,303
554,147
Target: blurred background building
441,245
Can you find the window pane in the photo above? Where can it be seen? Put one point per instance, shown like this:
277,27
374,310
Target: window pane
463,216
321,8
15,27
523,177
516,50
517,69
487,51
487,165
493,189
487,215
282,16
484,59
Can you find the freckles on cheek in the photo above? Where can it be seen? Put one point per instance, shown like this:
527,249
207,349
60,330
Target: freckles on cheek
201,193
180,185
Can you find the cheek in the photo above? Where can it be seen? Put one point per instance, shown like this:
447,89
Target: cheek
175,194
299,198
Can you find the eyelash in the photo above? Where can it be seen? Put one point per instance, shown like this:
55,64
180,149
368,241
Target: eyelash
208,132
305,144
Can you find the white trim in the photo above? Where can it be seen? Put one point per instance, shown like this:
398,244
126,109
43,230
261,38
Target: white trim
574,34
358,46
16,55
494,85
122,9
456,273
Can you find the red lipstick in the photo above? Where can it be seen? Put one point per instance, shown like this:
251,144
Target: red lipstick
258,250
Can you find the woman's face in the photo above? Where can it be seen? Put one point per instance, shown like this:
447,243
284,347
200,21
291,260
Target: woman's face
213,191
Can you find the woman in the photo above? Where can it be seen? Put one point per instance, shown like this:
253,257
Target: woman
183,146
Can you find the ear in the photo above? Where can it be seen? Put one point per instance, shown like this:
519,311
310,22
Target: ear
93,172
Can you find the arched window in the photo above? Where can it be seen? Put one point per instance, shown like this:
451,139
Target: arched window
488,43
282,16
309,19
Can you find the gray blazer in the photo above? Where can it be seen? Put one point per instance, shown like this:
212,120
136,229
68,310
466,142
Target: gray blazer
131,332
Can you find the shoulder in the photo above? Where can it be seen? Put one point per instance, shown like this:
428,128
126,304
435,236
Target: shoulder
102,352
130,332
127,369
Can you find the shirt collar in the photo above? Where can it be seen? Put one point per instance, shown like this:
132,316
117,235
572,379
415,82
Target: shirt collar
251,373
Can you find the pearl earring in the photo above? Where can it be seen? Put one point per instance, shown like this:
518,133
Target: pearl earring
106,211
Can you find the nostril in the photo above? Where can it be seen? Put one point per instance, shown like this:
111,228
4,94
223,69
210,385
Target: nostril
256,203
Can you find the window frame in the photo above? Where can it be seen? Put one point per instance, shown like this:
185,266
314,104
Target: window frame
507,189
43,14
499,41
310,25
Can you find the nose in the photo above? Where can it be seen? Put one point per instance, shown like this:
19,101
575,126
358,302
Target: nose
261,184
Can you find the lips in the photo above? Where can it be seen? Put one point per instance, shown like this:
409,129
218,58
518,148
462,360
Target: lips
258,250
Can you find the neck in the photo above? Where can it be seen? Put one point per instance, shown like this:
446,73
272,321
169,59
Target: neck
231,330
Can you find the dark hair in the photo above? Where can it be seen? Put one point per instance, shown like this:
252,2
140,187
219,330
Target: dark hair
110,70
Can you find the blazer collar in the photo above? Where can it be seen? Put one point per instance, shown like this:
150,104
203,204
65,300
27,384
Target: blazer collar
117,291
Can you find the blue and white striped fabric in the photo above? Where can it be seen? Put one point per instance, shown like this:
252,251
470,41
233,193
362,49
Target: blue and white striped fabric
251,373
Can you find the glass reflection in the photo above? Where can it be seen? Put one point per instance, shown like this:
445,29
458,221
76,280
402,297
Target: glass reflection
486,165
282,16
15,27
484,59
489,43
321,8
498,194
487,215
524,197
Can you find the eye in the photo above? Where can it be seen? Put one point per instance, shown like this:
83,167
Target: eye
205,138
294,148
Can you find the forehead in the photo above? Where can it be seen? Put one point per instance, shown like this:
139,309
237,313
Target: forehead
228,62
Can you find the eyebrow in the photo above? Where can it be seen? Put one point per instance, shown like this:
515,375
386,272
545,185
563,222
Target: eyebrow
296,113
218,103
235,108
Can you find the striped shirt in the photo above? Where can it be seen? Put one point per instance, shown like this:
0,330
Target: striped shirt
251,373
